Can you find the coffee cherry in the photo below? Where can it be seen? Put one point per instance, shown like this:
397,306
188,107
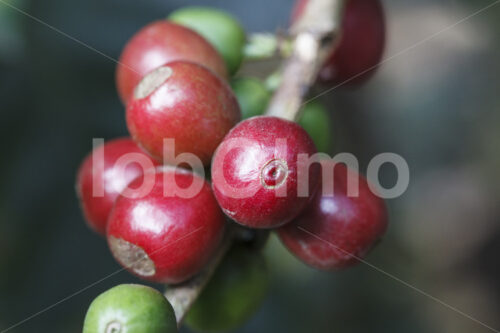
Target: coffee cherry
335,229
168,234
315,119
256,172
252,96
155,45
221,29
103,161
130,308
234,293
186,102
361,45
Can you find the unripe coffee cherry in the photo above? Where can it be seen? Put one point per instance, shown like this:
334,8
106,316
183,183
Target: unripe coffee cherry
315,119
185,102
221,29
234,293
130,308
259,175
361,44
336,230
168,234
155,45
252,96
100,168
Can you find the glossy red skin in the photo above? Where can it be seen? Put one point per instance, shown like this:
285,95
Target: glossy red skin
337,227
180,235
97,209
193,106
361,45
155,45
242,168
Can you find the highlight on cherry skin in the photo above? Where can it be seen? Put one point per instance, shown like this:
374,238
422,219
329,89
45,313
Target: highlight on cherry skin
361,44
185,102
168,234
337,230
257,172
130,308
158,43
102,177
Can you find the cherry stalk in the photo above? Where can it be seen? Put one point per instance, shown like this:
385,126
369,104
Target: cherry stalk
316,33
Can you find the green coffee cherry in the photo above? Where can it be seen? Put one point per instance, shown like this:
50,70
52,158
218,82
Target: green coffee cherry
274,81
252,96
222,30
315,120
130,308
234,293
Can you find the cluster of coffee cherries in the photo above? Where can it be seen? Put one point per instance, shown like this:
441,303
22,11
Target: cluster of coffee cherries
188,114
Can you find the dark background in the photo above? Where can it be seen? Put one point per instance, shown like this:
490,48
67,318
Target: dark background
436,104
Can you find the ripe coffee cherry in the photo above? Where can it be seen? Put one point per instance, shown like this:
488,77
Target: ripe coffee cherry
336,229
221,29
170,233
252,96
256,173
186,102
234,293
315,119
155,45
361,45
103,160
130,308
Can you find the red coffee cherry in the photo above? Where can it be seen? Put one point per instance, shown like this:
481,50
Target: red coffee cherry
255,172
158,43
186,102
335,228
361,45
168,234
97,206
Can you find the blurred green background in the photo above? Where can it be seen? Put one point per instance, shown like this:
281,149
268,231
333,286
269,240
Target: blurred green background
436,104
